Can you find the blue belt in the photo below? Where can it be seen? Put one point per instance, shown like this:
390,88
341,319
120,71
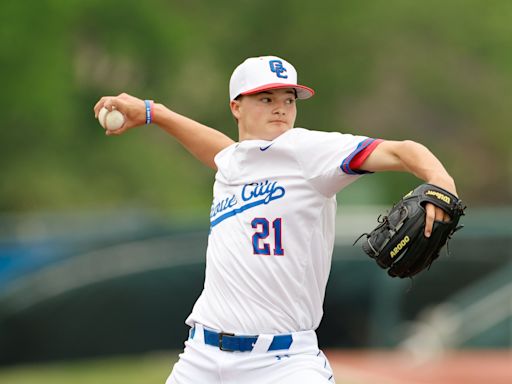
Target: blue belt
230,342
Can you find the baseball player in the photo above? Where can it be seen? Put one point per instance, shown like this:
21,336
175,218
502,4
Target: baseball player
271,225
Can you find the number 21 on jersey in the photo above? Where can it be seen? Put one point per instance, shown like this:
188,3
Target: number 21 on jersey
261,244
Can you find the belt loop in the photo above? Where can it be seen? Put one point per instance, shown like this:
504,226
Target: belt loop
199,333
262,344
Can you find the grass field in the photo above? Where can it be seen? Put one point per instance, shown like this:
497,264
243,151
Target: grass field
150,368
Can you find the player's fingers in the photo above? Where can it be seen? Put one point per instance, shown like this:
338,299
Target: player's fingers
439,214
117,132
430,216
116,103
111,102
108,102
110,132
98,106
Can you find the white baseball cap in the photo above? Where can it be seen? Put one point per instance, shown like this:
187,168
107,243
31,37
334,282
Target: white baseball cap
258,74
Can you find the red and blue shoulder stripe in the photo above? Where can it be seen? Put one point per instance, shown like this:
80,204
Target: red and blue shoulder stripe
351,164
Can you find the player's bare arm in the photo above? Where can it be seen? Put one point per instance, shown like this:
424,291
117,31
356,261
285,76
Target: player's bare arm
200,140
415,158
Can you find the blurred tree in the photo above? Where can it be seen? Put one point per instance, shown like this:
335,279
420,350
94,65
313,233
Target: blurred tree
437,72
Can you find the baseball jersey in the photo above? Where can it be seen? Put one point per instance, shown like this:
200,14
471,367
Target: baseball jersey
272,231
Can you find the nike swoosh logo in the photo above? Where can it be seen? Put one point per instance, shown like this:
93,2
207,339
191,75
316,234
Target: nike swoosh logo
265,148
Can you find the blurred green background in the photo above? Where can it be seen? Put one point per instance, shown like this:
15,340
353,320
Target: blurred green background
81,213
438,72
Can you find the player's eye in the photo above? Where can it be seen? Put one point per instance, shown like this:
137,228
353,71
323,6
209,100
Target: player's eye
290,101
266,99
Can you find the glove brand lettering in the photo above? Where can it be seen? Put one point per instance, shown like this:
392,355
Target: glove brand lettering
276,66
399,246
439,195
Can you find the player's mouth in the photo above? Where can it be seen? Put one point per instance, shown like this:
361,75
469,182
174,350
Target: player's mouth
278,121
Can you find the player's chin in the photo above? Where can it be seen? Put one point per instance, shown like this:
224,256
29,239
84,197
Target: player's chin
279,126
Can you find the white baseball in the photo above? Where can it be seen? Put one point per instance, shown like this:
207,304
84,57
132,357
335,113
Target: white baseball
101,116
111,120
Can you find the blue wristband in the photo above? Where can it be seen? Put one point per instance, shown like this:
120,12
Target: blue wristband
149,111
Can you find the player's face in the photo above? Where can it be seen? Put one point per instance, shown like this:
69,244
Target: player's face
265,115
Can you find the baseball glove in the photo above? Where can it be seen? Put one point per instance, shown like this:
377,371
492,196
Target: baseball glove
398,243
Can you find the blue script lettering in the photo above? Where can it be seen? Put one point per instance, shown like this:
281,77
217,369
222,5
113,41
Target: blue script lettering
254,195
221,206
269,191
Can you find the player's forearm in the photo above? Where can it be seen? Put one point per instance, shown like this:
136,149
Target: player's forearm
418,160
201,141
412,157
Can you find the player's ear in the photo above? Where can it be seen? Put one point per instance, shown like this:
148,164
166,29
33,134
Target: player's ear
235,108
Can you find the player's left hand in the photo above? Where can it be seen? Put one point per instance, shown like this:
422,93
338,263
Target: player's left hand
433,213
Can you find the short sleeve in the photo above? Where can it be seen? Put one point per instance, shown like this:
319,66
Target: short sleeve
325,158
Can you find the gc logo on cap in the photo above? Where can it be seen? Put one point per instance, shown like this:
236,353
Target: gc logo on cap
258,74
277,67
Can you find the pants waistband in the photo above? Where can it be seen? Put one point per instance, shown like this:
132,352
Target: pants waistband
247,343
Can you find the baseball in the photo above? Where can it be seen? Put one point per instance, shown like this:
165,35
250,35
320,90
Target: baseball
111,120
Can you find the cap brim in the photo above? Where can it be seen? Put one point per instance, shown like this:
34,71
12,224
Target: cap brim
303,92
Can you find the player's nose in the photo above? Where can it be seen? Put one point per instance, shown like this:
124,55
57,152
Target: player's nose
279,109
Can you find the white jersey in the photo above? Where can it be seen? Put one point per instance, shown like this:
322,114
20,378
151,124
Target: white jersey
272,231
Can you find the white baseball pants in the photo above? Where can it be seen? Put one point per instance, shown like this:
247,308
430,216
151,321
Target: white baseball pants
302,363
